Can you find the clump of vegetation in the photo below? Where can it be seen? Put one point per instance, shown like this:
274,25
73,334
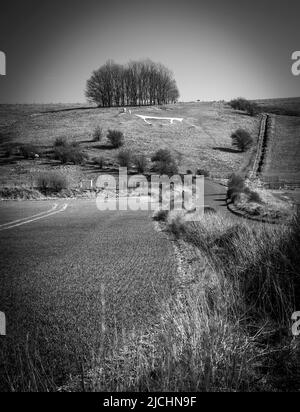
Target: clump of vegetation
242,140
236,185
140,163
125,158
29,151
98,134
116,138
176,224
60,141
252,196
48,182
161,215
245,105
19,193
70,153
164,163
99,161
8,150
203,172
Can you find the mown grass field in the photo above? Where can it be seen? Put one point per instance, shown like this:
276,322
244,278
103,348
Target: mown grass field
201,141
283,150
284,106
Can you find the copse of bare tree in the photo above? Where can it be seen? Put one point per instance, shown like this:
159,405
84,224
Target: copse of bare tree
139,83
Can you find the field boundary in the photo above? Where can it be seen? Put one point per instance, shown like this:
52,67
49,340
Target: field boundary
262,137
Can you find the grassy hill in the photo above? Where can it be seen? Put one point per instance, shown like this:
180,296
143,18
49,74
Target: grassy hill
202,140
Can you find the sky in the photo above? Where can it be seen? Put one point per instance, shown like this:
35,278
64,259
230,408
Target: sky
217,49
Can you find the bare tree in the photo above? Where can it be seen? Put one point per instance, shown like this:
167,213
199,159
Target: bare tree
137,83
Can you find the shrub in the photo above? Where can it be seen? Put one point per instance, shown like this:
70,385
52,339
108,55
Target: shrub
239,104
245,105
236,185
203,172
176,225
140,163
60,141
51,182
29,151
254,197
236,181
99,161
98,134
124,158
253,109
116,138
74,144
164,163
70,154
162,155
161,215
242,140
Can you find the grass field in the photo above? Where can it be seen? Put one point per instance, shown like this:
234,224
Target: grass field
283,150
201,141
289,106
72,284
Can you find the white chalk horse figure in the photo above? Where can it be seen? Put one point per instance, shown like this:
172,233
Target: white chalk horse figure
171,119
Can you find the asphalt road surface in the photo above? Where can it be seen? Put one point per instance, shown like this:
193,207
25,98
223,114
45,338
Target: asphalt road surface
68,272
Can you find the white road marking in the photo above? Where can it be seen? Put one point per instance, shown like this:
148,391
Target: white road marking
35,219
30,217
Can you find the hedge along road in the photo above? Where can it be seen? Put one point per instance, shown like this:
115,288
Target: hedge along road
63,274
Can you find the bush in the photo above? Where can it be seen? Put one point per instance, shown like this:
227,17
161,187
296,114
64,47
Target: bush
60,141
99,161
162,155
164,163
51,182
70,154
176,225
203,172
98,134
254,197
161,215
116,138
239,104
236,182
74,144
124,158
242,140
140,163
29,151
236,185
245,105
253,109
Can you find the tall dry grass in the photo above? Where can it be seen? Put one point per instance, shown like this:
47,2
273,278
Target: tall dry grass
229,331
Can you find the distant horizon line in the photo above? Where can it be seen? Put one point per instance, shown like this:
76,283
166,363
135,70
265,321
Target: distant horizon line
181,101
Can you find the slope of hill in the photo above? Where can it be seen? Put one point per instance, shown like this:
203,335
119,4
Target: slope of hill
202,140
